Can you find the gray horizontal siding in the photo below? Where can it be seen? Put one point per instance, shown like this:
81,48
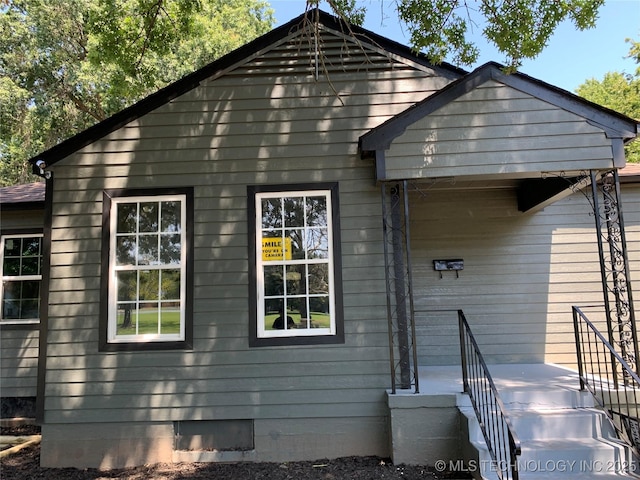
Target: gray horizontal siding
18,362
22,220
301,411
265,125
522,272
496,129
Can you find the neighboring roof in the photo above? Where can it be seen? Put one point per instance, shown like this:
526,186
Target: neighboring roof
27,196
615,124
219,66
630,173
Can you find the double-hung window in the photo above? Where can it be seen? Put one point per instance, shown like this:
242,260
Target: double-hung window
21,277
296,265
148,268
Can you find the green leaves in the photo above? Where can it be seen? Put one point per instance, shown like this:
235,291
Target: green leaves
620,92
129,37
439,28
67,64
520,29
347,9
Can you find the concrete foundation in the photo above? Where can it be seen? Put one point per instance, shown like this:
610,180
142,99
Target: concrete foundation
424,429
106,445
118,445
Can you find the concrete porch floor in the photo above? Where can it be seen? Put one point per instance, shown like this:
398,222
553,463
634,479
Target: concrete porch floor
447,380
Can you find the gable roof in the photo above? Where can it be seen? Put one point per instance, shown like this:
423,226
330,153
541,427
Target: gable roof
223,64
613,123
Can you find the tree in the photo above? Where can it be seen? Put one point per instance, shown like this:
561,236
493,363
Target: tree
620,92
520,29
68,64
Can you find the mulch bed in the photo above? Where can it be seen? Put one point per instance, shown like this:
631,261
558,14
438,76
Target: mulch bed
25,465
20,430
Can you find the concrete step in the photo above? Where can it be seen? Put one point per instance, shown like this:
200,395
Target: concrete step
559,460
552,424
567,442
525,399
542,424
591,458
595,452
550,475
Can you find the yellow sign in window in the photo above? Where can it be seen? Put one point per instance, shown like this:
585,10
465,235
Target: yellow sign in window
272,249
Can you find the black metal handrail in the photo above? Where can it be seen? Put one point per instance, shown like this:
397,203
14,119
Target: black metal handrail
497,429
613,383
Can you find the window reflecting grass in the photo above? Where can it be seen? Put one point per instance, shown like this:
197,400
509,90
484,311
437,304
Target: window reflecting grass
318,320
147,322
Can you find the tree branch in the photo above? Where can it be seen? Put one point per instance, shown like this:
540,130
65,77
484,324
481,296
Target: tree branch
148,31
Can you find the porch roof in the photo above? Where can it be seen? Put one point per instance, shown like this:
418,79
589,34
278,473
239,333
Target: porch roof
492,126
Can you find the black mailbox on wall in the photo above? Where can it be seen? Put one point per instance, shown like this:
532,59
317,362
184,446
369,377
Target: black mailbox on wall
448,265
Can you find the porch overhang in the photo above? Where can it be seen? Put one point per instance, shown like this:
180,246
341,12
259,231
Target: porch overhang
490,125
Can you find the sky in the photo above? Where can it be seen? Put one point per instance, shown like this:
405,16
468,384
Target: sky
571,58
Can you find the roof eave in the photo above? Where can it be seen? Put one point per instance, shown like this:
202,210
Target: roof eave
22,206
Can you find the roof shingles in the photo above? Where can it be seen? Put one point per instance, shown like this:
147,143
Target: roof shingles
20,194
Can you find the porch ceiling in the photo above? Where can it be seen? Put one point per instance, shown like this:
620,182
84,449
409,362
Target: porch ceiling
532,193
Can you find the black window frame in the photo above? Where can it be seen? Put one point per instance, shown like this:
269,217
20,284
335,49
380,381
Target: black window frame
324,339
31,324
187,343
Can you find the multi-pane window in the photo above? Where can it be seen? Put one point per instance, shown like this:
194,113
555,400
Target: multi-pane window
295,287
147,267
21,277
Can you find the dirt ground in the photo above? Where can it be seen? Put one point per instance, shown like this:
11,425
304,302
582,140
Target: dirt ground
25,465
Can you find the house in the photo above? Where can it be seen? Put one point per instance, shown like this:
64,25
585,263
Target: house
238,266
21,247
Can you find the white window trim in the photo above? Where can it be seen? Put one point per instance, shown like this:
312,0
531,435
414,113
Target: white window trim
13,321
262,332
113,287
